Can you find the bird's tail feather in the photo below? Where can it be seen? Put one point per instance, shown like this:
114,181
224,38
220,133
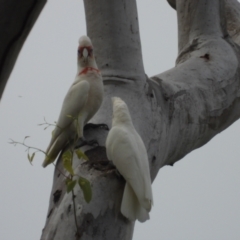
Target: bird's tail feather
147,202
54,150
130,206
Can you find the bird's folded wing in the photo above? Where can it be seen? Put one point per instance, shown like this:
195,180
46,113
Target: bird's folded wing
73,102
123,151
130,158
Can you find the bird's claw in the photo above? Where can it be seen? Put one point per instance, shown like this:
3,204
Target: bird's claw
84,142
93,125
93,143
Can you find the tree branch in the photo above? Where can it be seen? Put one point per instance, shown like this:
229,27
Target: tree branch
118,52
232,11
199,19
201,94
174,112
16,21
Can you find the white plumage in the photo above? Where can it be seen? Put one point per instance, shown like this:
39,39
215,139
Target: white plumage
82,101
128,153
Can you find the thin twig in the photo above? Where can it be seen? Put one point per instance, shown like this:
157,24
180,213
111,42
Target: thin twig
60,171
74,212
49,124
27,146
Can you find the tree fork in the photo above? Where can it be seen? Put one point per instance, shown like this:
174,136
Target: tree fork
175,112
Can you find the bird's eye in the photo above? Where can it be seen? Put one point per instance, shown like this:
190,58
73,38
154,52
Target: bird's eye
90,51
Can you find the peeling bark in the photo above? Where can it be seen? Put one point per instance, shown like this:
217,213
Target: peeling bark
175,112
232,11
16,21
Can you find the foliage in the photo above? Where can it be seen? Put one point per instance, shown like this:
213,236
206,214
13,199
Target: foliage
67,158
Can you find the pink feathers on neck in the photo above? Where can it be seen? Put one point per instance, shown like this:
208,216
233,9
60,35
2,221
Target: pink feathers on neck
87,69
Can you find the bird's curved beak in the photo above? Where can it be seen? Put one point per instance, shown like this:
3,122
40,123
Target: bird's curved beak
85,53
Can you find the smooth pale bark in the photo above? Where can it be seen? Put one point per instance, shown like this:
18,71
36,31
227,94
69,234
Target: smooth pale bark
232,12
175,112
16,21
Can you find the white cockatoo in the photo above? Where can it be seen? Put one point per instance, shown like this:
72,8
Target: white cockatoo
82,101
128,153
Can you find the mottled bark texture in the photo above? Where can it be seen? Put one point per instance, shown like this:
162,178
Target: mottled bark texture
16,21
175,112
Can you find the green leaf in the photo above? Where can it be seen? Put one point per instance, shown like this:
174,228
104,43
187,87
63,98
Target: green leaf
70,185
67,161
31,158
81,154
86,188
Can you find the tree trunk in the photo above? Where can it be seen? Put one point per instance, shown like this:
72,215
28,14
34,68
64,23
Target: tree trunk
16,21
175,112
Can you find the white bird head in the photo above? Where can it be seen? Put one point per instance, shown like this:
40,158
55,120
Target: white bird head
120,111
85,53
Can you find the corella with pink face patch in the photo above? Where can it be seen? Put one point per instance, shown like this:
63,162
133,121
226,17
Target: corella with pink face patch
81,102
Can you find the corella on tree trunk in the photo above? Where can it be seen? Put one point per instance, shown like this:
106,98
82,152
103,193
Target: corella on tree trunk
128,153
82,101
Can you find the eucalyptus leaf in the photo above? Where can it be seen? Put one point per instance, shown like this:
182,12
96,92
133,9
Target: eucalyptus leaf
70,185
86,188
67,161
31,158
81,154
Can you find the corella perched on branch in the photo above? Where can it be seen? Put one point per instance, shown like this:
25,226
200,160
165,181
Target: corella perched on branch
82,101
128,153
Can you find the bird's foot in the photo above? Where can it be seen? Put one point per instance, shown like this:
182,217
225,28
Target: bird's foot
93,125
83,142
103,165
